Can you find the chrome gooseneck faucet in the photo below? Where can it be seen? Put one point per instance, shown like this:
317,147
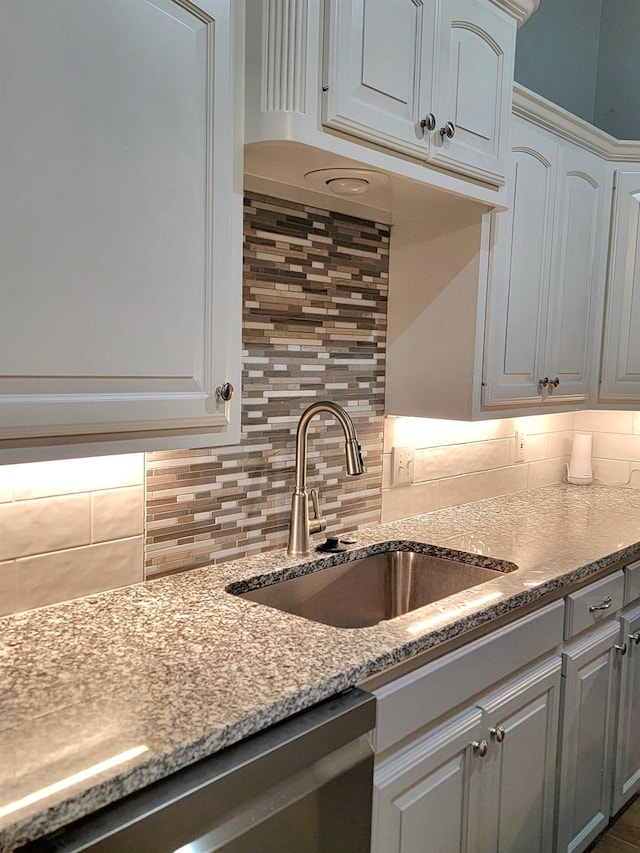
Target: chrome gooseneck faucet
300,525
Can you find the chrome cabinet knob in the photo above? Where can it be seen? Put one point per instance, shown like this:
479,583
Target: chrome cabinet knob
225,391
498,732
606,604
555,382
542,383
481,747
635,637
620,647
449,130
428,122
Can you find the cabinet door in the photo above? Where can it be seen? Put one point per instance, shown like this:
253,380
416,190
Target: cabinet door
475,52
378,64
626,778
620,380
427,794
522,729
119,222
580,239
590,677
520,263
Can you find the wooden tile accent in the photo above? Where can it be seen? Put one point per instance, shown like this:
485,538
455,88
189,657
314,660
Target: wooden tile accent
314,327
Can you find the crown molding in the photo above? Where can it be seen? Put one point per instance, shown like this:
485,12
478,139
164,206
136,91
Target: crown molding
521,10
538,110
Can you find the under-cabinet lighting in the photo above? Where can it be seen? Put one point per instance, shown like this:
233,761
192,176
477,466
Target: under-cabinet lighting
81,776
29,480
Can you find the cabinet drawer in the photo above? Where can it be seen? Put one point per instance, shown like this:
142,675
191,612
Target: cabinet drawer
413,701
632,582
607,595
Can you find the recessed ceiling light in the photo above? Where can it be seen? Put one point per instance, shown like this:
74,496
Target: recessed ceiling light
348,186
346,181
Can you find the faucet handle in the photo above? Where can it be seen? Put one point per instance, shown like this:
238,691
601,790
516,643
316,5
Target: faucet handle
317,524
315,500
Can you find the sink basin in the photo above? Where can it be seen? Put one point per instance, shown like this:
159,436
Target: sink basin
365,591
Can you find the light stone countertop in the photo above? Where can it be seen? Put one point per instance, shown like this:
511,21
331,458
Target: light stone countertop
178,668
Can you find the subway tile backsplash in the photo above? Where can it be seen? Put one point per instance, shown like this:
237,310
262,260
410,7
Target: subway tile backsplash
69,528
457,462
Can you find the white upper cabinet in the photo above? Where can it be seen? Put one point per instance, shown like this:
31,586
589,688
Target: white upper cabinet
520,271
425,77
120,226
498,315
473,77
379,66
620,379
546,274
577,278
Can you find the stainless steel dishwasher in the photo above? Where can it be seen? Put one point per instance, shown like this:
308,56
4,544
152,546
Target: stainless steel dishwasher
302,786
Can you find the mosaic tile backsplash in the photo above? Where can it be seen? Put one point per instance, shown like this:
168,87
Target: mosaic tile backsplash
314,325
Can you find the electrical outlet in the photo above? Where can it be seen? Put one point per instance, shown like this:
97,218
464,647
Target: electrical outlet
521,447
402,461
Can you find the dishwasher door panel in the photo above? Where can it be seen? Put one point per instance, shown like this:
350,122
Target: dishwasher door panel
304,785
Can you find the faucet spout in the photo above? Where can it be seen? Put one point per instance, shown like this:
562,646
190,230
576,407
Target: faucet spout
300,525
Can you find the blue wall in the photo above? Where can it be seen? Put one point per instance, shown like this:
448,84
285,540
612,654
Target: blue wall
557,53
617,104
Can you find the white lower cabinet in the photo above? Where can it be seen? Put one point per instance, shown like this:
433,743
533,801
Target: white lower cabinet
538,763
454,783
626,774
461,786
424,796
522,720
589,672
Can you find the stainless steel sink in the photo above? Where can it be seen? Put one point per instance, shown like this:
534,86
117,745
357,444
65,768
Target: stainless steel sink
366,591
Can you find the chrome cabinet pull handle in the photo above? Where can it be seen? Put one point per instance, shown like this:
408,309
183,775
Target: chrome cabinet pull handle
620,647
449,130
428,122
481,747
499,733
606,604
